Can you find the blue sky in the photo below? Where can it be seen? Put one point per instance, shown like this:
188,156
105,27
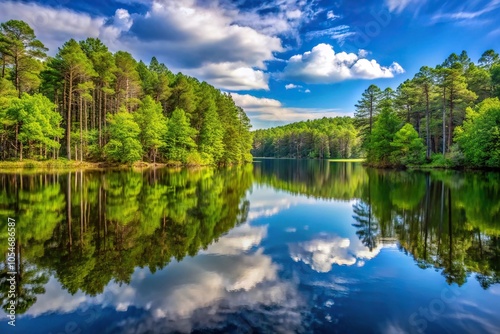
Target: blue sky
282,60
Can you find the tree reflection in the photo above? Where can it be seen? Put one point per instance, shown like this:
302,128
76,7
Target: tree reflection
446,220
90,228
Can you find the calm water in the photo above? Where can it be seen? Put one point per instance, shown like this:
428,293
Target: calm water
282,246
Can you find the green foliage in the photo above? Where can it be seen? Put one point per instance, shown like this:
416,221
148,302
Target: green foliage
86,82
153,125
124,146
21,53
367,109
179,140
38,122
380,149
211,135
409,147
321,138
479,136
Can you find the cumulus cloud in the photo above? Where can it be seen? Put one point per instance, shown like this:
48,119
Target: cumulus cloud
208,40
232,76
322,253
292,86
323,65
262,110
277,18
54,26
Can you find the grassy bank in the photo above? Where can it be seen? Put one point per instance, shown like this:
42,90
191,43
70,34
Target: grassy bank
64,164
347,160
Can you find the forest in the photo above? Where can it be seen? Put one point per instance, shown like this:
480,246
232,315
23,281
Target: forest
445,116
320,138
89,104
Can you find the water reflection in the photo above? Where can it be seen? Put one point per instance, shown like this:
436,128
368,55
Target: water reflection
444,219
88,229
283,246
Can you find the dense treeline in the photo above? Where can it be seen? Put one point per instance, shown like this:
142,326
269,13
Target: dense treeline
448,115
321,138
87,103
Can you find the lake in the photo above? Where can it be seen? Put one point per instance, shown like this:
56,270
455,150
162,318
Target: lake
279,246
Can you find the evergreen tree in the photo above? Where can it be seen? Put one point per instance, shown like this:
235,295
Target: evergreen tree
211,135
384,129
179,140
20,49
124,145
153,125
409,147
366,111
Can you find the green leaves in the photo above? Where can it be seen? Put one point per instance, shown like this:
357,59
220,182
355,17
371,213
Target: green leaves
179,137
124,146
409,147
479,136
37,120
153,126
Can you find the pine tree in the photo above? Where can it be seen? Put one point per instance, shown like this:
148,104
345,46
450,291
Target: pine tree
179,140
153,125
124,145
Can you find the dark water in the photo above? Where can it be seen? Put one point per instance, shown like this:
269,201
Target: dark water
278,247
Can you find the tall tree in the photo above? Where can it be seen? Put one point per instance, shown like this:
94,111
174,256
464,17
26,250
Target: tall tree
153,125
179,137
211,135
366,111
424,80
127,82
19,44
124,145
76,69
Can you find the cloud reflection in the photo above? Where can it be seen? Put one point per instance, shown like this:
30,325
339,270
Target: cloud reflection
322,253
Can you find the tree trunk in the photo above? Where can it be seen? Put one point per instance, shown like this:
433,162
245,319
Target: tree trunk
450,120
81,129
68,117
428,119
444,120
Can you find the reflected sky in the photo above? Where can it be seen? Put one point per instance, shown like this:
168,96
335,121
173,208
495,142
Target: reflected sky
296,264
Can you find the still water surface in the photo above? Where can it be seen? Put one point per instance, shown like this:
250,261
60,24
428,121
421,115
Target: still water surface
280,246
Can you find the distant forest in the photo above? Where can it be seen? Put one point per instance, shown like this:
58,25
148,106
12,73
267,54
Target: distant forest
89,104
320,138
445,116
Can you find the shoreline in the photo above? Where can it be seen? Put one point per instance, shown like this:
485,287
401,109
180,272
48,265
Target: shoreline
62,164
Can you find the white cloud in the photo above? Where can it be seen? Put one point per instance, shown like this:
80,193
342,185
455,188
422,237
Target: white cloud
398,6
331,15
267,110
232,76
55,26
238,240
292,86
209,41
363,53
280,18
467,12
307,91
323,65
322,253
338,33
